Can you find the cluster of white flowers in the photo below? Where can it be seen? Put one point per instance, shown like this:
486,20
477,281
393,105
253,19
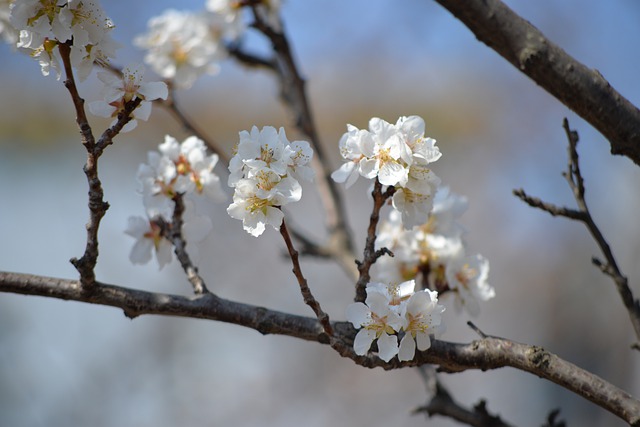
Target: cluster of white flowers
264,172
118,90
397,155
435,254
44,24
182,45
176,168
392,309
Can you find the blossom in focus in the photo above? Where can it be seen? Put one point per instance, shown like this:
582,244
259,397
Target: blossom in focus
118,91
396,155
467,277
43,25
377,321
422,317
264,172
181,46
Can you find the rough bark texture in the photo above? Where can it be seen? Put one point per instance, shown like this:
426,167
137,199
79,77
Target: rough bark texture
583,90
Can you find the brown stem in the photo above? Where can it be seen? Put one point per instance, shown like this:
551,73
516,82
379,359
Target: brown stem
583,214
582,89
308,297
370,254
484,354
294,96
175,236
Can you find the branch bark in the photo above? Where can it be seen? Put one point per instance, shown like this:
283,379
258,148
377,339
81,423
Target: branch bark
583,90
485,354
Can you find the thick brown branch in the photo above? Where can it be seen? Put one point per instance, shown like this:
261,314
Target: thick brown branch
485,354
581,89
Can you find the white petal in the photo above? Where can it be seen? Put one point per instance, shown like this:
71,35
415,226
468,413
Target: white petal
363,340
407,348
358,314
387,346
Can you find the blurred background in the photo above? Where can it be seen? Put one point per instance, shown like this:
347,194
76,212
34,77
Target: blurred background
72,364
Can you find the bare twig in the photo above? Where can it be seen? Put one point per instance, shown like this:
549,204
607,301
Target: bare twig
370,253
582,89
176,237
308,297
484,354
441,403
610,266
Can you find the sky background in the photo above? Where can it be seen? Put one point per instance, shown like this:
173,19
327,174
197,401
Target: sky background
65,363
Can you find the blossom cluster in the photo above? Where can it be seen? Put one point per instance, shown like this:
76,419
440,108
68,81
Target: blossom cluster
390,310
435,253
43,25
176,169
264,172
182,45
396,155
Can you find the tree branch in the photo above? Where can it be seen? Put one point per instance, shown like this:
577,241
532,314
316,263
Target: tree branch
610,268
294,96
485,354
441,403
582,89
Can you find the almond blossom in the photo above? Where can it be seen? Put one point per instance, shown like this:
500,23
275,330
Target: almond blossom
396,155
264,173
119,90
181,46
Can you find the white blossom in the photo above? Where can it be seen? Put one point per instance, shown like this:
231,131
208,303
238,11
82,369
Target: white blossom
264,172
181,46
149,239
422,317
378,322
117,91
467,277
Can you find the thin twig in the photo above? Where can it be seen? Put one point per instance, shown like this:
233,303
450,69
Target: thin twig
308,297
441,403
370,254
576,183
175,236
294,96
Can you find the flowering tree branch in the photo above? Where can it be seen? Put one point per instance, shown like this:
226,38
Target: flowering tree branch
97,205
294,96
582,214
484,354
580,88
